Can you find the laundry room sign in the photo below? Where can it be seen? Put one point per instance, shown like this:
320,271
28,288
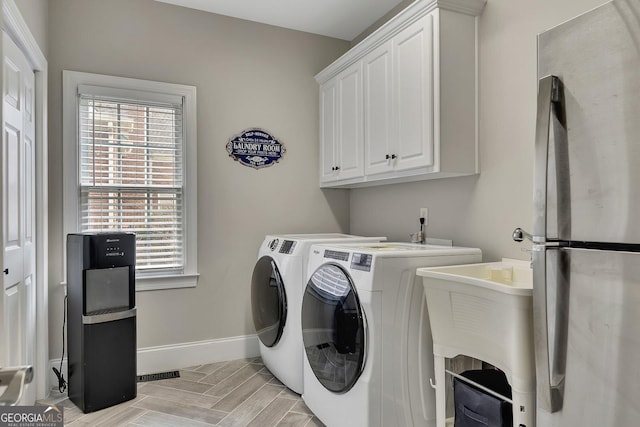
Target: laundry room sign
256,148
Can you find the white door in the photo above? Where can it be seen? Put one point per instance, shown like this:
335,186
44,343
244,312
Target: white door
350,123
413,88
18,212
328,113
377,107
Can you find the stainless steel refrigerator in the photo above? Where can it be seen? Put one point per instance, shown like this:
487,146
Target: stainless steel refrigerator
586,232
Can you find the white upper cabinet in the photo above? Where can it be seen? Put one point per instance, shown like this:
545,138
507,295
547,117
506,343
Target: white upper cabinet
398,97
413,96
350,132
328,130
378,127
414,115
341,155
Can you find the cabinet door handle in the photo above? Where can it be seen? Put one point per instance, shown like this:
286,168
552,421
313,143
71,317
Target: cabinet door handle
337,167
387,157
6,271
393,156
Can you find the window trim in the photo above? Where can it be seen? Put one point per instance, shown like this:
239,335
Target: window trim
70,187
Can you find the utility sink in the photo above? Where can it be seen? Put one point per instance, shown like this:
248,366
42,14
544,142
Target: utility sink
484,311
12,383
509,276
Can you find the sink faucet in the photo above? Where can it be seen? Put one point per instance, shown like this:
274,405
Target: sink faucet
519,235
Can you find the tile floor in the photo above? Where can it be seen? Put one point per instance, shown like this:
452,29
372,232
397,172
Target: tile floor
230,394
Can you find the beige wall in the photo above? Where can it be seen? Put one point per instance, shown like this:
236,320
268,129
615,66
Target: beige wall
255,75
246,75
483,210
35,14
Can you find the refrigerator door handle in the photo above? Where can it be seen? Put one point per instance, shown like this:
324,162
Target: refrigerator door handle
550,384
550,116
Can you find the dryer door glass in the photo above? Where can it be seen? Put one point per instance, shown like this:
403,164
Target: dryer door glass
333,328
268,301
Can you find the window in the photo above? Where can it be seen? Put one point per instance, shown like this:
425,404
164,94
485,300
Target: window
130,152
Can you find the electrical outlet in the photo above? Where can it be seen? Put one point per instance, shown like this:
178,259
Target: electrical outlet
424,213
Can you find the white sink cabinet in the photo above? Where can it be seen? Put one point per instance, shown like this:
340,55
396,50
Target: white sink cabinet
414,114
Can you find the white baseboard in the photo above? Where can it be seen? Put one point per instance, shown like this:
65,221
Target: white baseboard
176,356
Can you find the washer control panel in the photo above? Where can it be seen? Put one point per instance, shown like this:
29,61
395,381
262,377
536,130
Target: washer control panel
287,247
273,244
340,256
361,262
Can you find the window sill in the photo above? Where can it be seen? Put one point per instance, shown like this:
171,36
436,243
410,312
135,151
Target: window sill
176,281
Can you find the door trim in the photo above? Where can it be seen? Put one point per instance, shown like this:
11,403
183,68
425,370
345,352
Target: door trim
15,26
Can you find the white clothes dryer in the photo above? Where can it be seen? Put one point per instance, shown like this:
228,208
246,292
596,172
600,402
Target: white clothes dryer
277,286
366,333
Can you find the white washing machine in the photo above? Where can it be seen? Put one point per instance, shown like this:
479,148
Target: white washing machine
277,286
366,333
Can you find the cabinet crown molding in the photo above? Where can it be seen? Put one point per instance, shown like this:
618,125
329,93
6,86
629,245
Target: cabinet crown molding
386,31
469,7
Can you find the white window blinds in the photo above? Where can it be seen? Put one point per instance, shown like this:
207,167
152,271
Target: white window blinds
131,173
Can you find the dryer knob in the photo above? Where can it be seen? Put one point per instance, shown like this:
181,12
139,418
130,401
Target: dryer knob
273,244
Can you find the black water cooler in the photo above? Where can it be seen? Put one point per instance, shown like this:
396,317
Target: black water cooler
101,312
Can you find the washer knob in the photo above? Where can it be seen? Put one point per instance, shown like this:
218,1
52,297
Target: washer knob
273,244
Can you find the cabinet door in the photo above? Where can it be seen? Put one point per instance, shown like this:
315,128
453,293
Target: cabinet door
377,109
413,95
328,131
350,142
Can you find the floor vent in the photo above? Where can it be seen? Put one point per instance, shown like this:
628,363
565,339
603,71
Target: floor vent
158,376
